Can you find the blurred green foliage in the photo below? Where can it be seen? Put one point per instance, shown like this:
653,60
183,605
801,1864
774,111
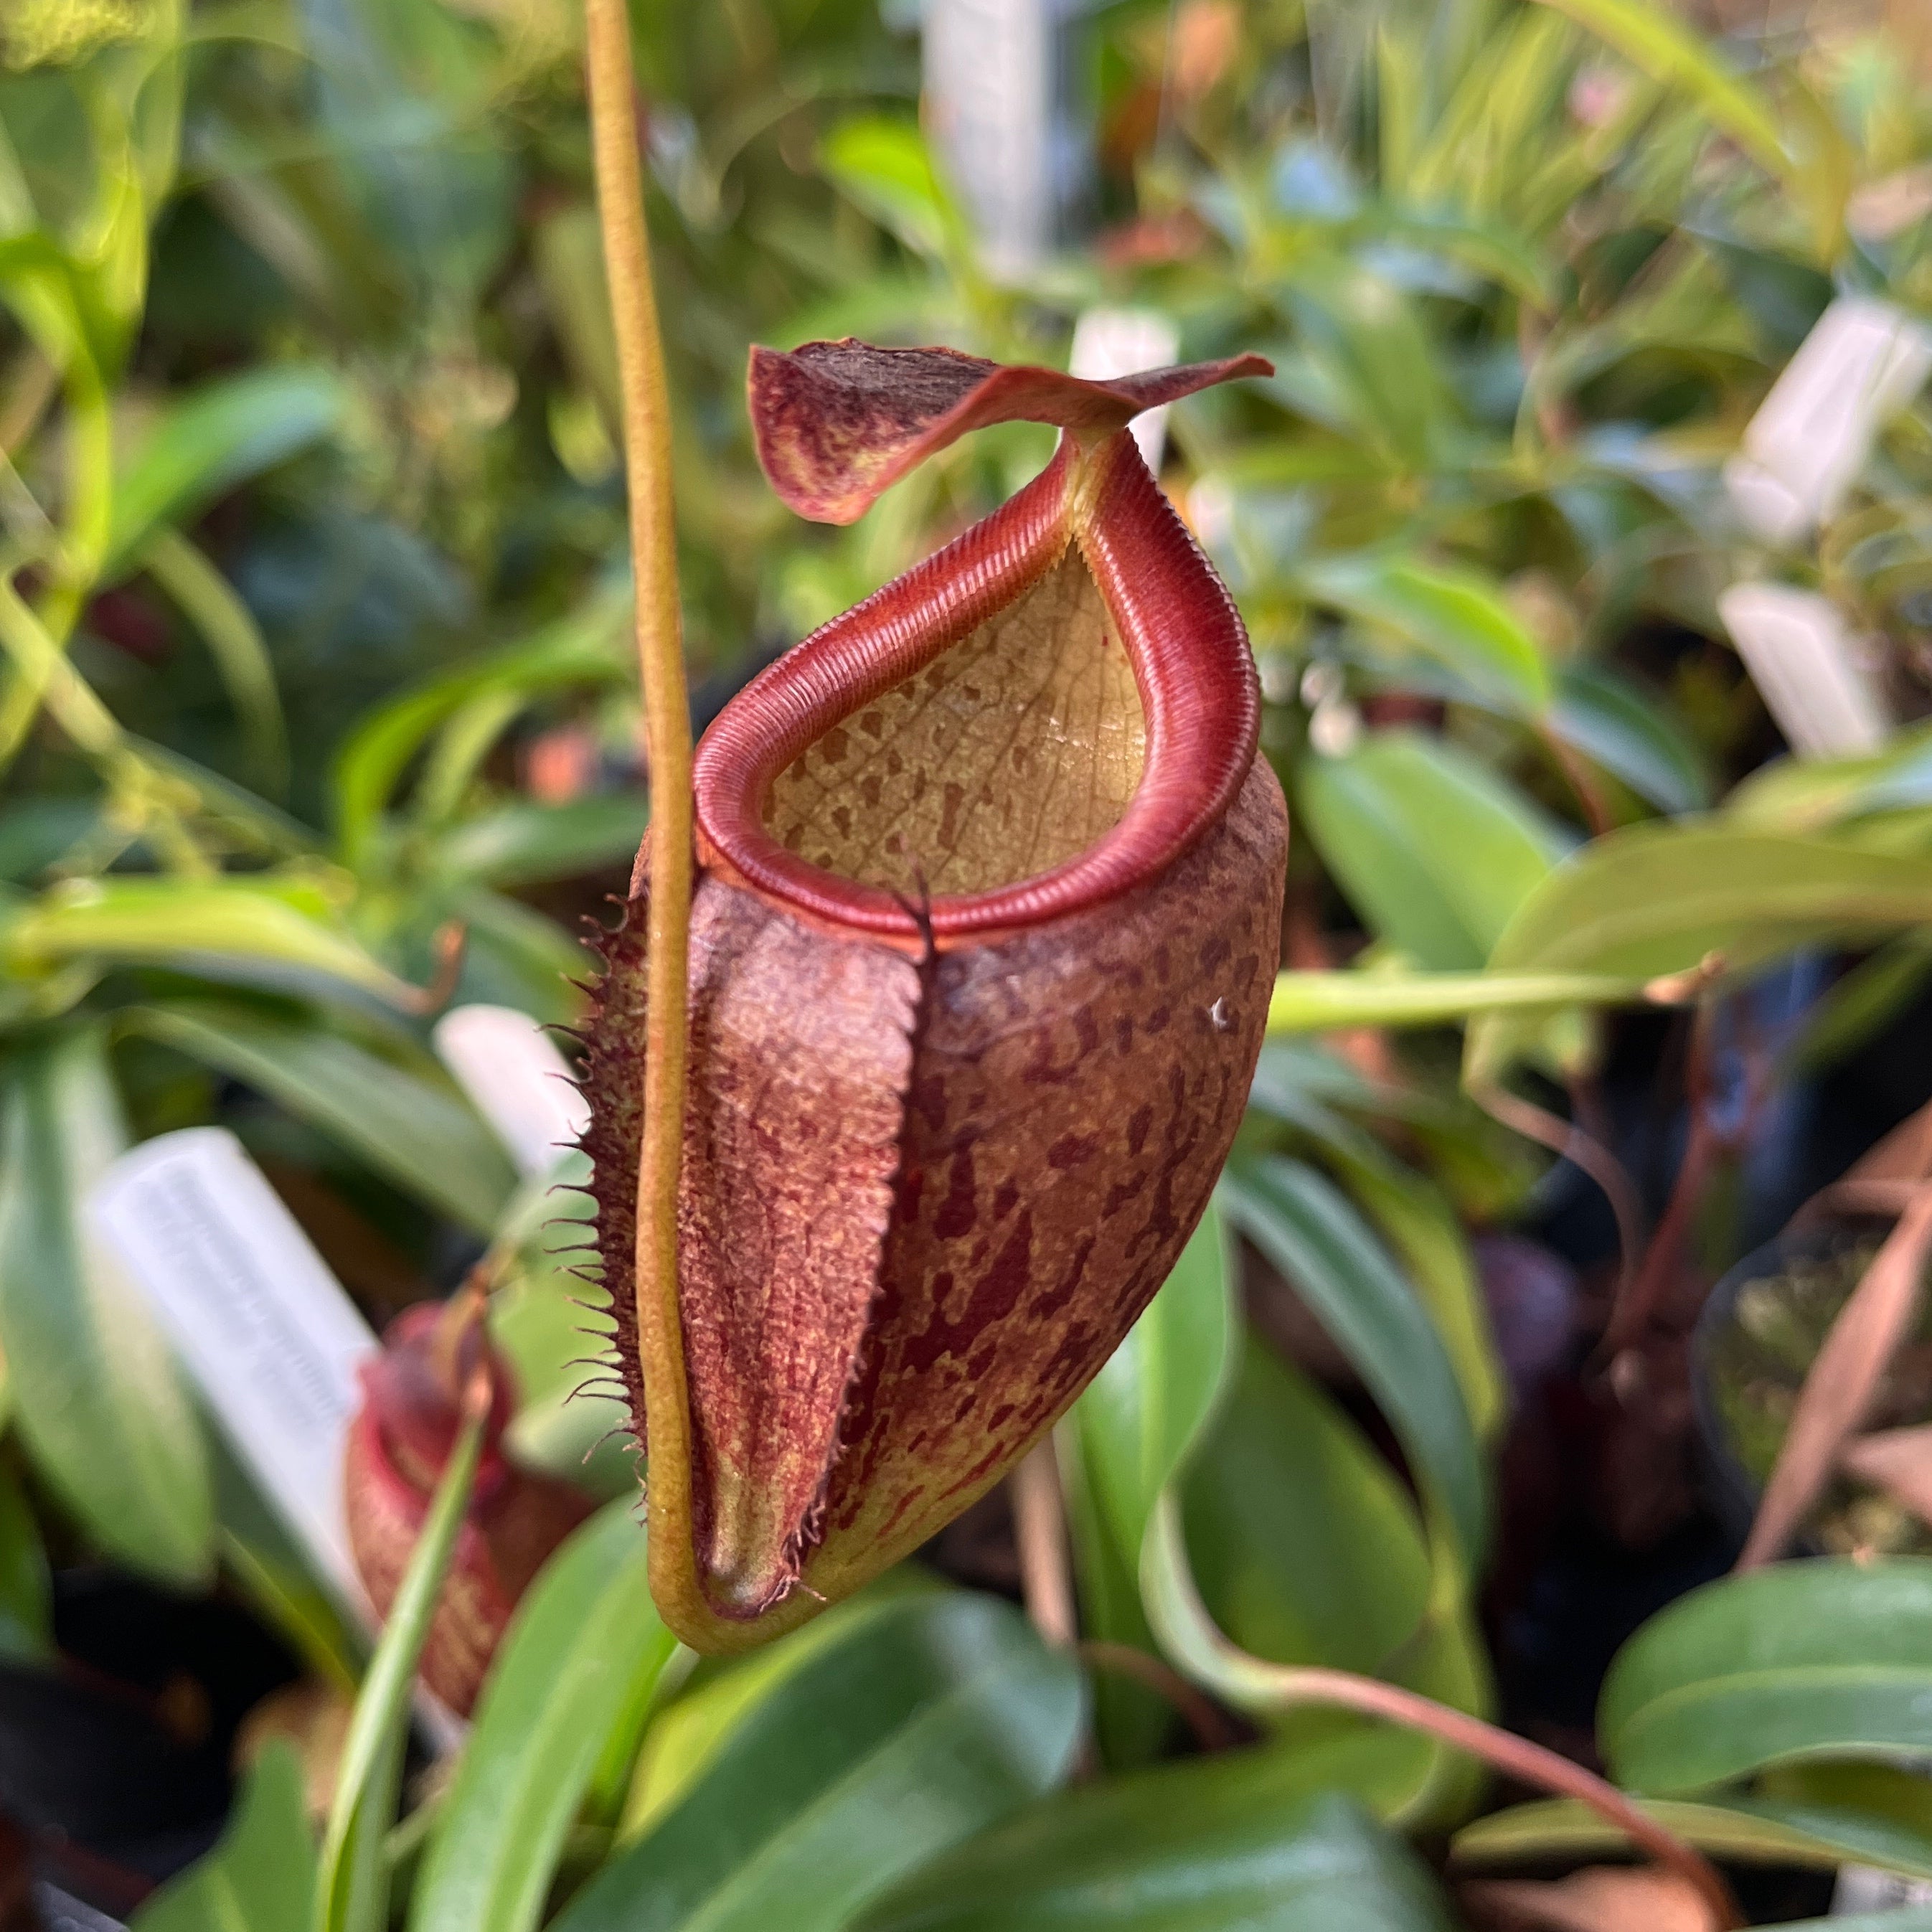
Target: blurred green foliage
316,711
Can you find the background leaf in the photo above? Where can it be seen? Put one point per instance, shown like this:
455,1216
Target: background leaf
573,1678
928,1722
1810,1659
403,1116
103,1414
261,1876
1249,1841
1434,851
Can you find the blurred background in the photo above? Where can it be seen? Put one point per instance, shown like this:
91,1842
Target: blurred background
319,718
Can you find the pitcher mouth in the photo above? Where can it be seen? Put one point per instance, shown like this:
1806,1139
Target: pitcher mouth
1191,669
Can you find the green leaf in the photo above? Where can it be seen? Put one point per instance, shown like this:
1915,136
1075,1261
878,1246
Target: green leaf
273,931
1130,1433
685,1737
211,439
404,1117
1454,617
1140,1417
884,166
100,1407
577,1670
1671,53
1434,851
927,1723
584,648
1633,735
525,843
351,1892
26,1602
1802,1660
1305,1546
1662,898
1746,1830
1322,1002
260,1877
1249,1841
1298,1219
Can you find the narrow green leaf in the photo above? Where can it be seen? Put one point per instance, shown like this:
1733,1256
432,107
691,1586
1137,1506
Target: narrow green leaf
404,1117
1128,1434
26,1595
1632,734
1249,1841
1744,1830
1324,1002
1662,898
575,1671
260,1877
229,927
352,1892
1434,851
525,843
211,439
1801,1659
1139,1418
1672,54
884,166
102,1412
1455,617
931,1721
1298,1219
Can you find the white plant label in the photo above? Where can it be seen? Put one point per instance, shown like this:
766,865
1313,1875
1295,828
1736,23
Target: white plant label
1863,361
517,1081
256,1317
1865,1888
1807,666
988,70
1111,342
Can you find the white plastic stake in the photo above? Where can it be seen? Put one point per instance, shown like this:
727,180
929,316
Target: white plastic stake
1110,342
256,1316
518,1081
1806,666
1864,360
1865,1889
988,68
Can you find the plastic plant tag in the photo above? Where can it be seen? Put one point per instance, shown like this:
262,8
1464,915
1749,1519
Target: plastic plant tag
516,1080
256,1316
1863,361
987,66
1111,342
1805,665
1865,1889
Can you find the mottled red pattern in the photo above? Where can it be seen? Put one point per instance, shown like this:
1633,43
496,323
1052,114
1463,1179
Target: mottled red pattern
939,1152
838,422
398,1444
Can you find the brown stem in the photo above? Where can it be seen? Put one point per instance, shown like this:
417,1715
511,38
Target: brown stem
1039,1531
1197,1711
1633,1312
1180,1620
1531,1764
1582,781
647,460
1583,1151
